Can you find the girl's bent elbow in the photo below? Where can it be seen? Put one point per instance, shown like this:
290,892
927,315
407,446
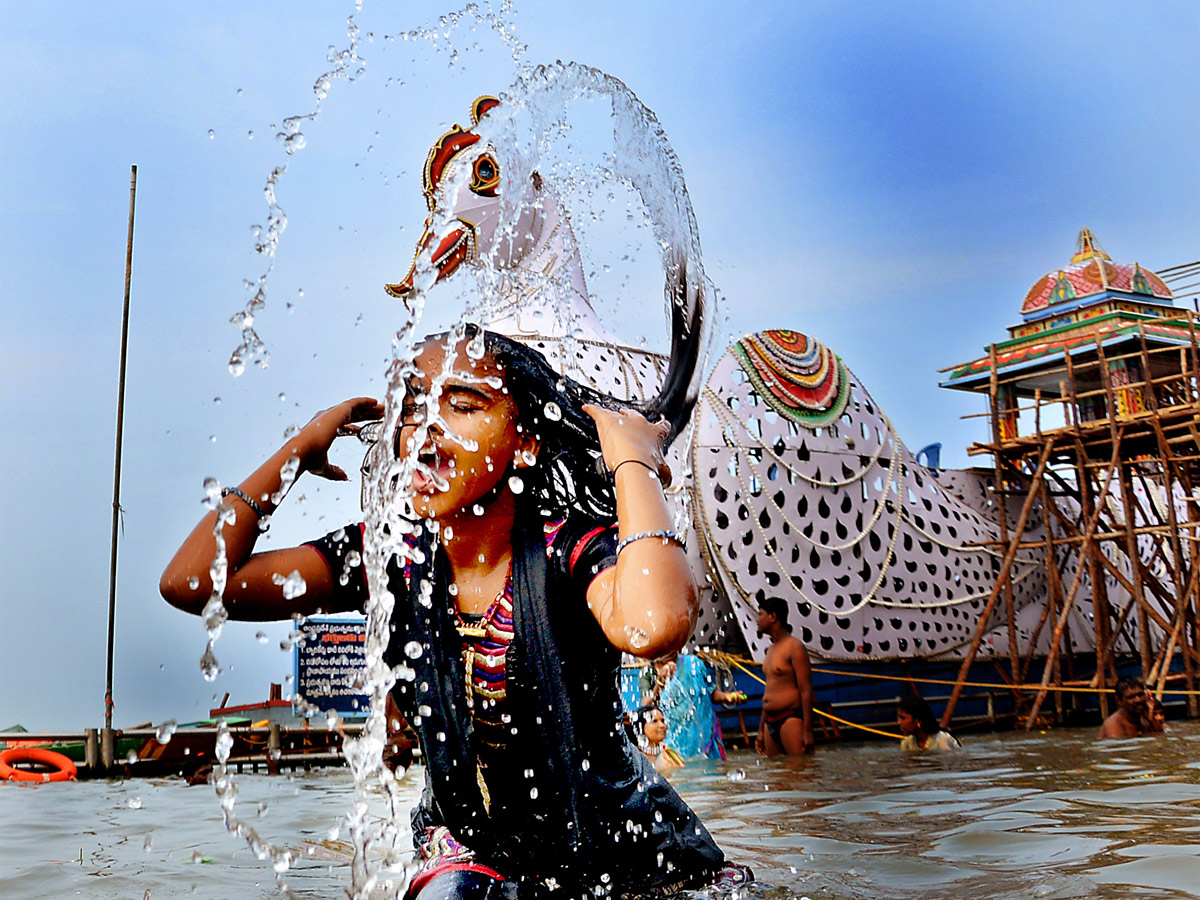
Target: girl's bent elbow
180,593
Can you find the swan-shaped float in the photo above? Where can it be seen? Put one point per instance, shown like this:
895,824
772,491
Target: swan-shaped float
796,484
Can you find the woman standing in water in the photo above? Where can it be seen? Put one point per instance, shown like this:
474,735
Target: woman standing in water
520,595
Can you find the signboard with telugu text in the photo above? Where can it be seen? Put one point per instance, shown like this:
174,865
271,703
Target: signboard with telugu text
329,662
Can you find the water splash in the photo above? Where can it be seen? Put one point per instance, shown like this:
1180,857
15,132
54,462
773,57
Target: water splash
346,64
535,117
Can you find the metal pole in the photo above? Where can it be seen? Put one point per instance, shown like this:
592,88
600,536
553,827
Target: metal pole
116,503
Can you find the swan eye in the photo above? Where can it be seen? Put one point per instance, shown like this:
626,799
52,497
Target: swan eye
487,177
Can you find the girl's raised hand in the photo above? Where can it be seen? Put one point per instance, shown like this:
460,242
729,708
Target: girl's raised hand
626,436
313,441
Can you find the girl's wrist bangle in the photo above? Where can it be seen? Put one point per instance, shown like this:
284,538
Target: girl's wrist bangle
245,498
641,462
665,534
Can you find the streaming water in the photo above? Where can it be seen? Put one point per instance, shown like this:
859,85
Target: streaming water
566,138
1053,816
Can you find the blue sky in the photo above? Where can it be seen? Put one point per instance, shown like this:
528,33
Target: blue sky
887,177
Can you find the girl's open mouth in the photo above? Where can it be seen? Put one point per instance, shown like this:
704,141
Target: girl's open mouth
432,471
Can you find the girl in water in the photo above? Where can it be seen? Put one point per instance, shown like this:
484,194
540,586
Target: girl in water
920,728
532,567
654,739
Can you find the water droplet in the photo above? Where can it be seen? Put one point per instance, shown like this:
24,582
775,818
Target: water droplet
736,775
637,637
131,757
553,411
475,347
211,134
477,509
448,535
250,135
261,637
413,650
293,585
165,731
197,857
208,663
516,485
533,793
529,773
146,845
193,583
282,397
441,736
134,802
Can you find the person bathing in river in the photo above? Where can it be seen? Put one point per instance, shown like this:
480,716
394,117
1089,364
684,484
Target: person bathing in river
653,742
787,718
535,593
685,693
1156,716
920,727
1129,720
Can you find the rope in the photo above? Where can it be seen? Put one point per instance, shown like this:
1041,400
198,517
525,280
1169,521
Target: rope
723,411
715,656
908,679
819,712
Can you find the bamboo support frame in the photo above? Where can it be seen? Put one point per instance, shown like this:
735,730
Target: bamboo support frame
1153,440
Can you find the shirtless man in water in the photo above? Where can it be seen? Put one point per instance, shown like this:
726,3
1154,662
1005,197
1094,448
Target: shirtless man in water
787,721
1132,704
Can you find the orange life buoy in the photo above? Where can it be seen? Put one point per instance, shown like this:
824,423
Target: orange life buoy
64,769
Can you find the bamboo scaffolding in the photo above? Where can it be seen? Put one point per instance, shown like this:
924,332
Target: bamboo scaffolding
1129,403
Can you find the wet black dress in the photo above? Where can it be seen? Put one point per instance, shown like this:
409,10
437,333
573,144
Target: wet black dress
569,805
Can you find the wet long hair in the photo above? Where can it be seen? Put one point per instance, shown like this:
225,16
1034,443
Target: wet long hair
919,709
570,473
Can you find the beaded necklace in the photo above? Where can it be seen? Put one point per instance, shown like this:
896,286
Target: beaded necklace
485,643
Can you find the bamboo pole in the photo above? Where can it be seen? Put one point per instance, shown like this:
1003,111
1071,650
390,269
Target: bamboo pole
1095,560
1002,512
116,501
1131,550
1061,624
1002,578
1171,471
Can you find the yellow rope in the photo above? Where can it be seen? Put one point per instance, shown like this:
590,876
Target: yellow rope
735,661
819,712
908,679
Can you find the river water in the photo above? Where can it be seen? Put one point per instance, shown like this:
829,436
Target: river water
1050,815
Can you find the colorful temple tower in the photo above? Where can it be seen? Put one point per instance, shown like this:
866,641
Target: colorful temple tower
1092,306
1094,405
